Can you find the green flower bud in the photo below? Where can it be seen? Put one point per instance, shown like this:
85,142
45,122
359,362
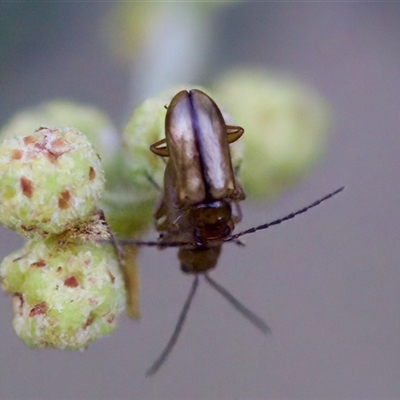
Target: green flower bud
65,294
285,126
49,181
146,126
90,120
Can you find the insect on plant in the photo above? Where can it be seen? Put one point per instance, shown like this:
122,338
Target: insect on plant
199,206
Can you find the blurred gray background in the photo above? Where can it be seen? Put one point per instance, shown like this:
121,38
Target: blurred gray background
328,282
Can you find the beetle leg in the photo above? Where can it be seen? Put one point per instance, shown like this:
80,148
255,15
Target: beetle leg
234,133
160,148
160,216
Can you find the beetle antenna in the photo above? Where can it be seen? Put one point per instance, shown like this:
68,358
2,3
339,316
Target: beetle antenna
257,321
236,236
280,220
153,243
178,328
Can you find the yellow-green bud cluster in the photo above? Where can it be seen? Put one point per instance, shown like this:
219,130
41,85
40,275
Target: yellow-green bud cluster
64,294
49,181
67,289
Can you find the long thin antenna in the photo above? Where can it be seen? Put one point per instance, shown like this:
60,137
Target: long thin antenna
257,321
280,220
178,328
234,237
153,243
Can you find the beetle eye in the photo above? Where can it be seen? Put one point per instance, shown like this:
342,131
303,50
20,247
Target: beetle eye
227,231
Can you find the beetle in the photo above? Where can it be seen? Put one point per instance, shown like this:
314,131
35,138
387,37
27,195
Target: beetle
199,205
200,202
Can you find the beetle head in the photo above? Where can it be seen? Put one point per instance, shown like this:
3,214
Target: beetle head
211,221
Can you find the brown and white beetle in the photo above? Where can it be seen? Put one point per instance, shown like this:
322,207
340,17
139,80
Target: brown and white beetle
201,193
199,206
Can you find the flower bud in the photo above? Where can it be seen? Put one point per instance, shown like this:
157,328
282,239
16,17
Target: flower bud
50,180
90,120
285,128
65,294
